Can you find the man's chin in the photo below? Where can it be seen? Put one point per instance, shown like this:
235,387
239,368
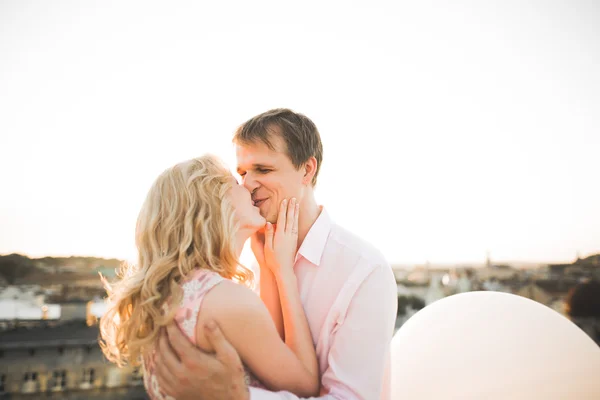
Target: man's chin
270,218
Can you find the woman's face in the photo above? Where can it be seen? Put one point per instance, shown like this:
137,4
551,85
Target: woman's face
247,215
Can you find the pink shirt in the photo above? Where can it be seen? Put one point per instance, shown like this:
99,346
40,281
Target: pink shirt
349,294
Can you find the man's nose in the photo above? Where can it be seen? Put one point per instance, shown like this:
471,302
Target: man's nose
250,182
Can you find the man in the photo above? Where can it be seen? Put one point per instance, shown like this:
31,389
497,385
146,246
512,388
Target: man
346,286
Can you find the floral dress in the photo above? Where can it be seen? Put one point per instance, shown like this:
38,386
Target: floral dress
194,288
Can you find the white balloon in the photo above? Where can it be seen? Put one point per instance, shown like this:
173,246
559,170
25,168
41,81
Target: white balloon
490,345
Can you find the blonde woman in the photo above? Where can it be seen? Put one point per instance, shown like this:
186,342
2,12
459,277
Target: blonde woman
190,233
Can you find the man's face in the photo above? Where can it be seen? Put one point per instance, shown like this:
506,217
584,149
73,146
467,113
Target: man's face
269,175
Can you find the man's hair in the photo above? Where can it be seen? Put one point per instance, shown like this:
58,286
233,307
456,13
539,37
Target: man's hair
299,133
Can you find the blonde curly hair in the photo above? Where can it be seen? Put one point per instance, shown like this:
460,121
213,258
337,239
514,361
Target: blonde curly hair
186,222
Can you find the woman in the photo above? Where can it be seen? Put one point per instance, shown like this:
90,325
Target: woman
190,233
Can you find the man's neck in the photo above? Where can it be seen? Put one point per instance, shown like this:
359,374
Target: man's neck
241,238
309,212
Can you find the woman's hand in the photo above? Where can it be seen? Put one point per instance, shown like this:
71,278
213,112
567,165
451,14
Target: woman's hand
281,243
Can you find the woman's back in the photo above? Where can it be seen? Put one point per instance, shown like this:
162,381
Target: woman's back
187,317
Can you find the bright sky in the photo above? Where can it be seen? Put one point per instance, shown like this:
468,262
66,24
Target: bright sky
450,129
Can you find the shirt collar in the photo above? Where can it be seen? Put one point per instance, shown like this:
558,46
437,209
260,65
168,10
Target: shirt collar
314,243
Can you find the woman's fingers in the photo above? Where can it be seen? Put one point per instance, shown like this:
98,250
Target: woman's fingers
281,219
269,237
290,215
295,224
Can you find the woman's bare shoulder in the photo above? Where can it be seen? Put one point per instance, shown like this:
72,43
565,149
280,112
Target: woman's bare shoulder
231,305
230,297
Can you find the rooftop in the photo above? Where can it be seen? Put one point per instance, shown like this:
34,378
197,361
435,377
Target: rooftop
75,333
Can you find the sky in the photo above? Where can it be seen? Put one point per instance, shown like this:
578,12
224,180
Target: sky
449,129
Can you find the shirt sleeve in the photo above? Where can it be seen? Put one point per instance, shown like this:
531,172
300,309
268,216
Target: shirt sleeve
359,354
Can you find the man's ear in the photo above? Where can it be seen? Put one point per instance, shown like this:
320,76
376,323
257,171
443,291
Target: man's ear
310,169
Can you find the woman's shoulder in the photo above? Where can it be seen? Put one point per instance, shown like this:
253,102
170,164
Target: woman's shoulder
232,306
230,298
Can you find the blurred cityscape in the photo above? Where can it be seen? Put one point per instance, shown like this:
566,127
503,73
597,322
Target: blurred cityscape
49,310
571,289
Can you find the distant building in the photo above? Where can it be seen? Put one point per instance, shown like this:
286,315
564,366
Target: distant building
586,268
73,310
26,303
409,288
495,285
62,362
464,283
109,272
435,291
550,292
498,272
95,310
29,293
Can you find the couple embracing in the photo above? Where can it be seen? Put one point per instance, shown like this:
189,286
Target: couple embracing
318,320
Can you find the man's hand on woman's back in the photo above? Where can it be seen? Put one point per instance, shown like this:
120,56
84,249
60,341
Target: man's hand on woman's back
187,373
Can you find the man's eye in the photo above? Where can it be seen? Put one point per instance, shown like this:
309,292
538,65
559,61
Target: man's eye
263,171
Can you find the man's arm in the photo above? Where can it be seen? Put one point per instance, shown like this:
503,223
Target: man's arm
357,358
248,327
184,369
361,342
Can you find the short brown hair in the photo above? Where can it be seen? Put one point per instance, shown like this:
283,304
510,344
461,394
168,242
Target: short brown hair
298,132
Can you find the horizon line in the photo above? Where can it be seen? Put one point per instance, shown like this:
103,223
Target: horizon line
393,263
